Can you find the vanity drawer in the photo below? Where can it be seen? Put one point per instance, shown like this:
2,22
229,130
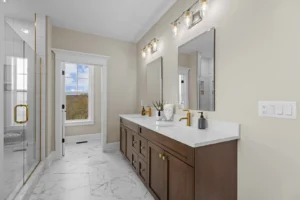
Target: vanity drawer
134,127
134,160
143,171
177,149
143,148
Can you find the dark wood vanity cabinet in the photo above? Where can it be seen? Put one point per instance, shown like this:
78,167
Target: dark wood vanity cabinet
157,172
174,171
123,136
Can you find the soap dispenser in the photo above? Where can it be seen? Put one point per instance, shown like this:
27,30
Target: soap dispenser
201,122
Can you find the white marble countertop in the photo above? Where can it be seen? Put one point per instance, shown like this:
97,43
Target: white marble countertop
216,131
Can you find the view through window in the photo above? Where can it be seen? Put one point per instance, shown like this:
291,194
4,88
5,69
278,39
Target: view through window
77,89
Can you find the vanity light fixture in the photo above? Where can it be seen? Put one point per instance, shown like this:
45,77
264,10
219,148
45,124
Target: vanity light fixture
26,31
154,45
144,53
175,28
188,18
192,15
204,7
150,48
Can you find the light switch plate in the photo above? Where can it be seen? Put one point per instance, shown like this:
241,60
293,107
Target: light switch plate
278,109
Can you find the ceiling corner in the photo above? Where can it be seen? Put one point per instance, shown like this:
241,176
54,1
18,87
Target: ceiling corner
163,8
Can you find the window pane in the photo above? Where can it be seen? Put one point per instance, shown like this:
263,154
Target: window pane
77,107
21,98
71,85
83,86
71,70
83,71
21,82
21,113
21,66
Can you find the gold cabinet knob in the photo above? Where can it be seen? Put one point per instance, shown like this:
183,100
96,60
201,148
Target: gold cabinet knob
142,170
160,155
142,148
163,157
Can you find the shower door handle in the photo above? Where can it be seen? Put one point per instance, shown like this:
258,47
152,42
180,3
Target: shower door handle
15,114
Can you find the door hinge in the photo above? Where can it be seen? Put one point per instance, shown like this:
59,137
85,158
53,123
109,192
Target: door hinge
63,140
63,106
63,72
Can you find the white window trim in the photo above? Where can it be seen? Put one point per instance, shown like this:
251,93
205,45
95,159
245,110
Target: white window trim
91,119
79,57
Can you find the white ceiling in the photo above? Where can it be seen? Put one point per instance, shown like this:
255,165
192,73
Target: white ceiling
203,44
126,20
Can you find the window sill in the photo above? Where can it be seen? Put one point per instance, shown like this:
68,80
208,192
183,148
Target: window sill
79,123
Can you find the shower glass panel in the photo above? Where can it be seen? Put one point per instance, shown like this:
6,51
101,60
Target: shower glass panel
22,112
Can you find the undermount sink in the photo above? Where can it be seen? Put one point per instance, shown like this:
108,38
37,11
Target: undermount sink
164,124
137,116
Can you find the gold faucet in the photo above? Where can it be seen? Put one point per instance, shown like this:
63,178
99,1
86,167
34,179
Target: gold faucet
149,111
188,118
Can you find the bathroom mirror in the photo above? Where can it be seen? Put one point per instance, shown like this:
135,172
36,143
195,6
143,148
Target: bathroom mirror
196,73
154,81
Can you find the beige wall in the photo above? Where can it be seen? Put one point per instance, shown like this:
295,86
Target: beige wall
121,70
50,92
96,127
257,48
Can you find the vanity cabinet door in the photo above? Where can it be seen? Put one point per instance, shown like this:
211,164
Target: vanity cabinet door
128,144
135,142
134,161
143,148
143,171
123,133
180,179
157,171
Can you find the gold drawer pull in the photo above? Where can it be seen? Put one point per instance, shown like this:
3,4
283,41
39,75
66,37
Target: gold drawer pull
164,157
160,155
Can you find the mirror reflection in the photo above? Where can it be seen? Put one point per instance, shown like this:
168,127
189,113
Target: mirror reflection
196,73
154,81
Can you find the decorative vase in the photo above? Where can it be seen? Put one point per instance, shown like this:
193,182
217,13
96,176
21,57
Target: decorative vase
159,116
169,111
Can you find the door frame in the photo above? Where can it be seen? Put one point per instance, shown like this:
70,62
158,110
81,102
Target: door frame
186,72
2,58
62,56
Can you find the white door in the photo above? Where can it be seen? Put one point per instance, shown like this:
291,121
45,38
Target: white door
63,108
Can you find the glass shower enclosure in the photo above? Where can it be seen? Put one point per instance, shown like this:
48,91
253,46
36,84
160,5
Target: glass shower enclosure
22,112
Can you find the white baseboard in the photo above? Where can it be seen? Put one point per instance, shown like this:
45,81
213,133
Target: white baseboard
79,138
111,147
52,157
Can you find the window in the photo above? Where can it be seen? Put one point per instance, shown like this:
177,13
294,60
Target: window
79,94
19,74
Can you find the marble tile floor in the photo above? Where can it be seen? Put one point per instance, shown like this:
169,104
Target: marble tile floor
17,164
85,173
